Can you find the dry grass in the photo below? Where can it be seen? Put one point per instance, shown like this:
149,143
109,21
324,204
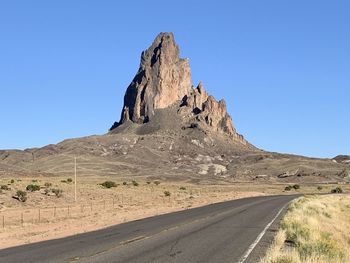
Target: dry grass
316,229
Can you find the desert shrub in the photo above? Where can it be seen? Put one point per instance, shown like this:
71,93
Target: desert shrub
32,187
12,181
324,246
156,182
319,188
21,195
47,185
34,181
57,192
134,183
69,180
328,215
296,186
288,188
125,183
328,247
148,182
182,188
4,187
295,232
337,190
167,193
63,181
109,184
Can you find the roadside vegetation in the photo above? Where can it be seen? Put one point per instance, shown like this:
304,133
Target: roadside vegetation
109,184
156,182
290,187
337,190
315,229
32,187
5,187
21,195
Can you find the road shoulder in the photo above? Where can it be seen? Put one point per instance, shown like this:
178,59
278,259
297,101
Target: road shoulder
266,241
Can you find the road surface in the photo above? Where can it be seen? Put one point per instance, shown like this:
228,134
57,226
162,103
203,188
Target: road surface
232,231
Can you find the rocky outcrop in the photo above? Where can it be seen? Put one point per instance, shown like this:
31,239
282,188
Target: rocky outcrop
342,159
196,98
205,109
164,80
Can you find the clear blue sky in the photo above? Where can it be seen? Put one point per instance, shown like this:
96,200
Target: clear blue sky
283,67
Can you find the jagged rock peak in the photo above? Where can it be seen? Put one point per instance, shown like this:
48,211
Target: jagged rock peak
199,107
163,78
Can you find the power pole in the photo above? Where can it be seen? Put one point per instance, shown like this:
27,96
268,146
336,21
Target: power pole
75,179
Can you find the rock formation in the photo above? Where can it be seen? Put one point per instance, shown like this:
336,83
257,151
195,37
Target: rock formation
164,80
205,109
342,159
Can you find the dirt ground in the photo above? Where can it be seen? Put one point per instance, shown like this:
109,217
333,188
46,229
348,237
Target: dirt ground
45,216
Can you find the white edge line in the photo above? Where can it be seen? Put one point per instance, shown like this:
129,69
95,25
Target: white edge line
257,240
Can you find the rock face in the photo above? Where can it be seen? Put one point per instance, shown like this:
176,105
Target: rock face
164,80
205,109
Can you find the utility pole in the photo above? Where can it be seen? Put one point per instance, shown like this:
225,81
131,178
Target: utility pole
75,179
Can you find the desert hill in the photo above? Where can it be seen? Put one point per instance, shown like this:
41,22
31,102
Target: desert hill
170,129
342,159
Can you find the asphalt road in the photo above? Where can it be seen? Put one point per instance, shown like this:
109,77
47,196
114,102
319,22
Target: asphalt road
222,232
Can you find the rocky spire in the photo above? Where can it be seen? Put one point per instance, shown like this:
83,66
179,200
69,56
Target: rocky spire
162,79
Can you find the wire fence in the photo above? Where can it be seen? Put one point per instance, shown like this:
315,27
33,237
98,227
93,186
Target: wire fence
24,217
27,216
